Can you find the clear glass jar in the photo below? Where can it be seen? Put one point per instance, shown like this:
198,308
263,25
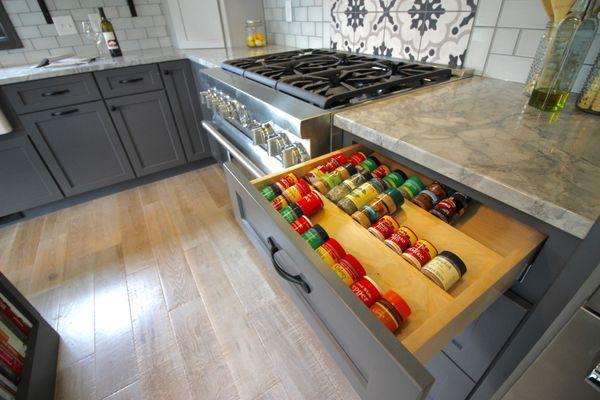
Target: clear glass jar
255,33
539,58
589,100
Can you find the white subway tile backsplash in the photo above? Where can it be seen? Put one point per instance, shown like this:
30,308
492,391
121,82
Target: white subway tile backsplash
66,4
594,50
36,56
148,10
290,40
529,39
505,40
69,40
143,22
302,41
12,60
32,18
315,42
16,6
308,28
156,31
28,32
479,47
487,12
44,43
48,30
509,68
136,33
149,43
300,14
315,14
523,14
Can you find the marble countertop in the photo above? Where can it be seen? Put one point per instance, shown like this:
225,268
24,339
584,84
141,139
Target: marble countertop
206,57
480,132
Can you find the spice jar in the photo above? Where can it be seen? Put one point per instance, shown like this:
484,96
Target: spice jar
429,196
384,227
255,33
357,158
360,196
401,239
391,310
291,212
270,192
385,203
369,164
310,204
420,253
381,171
302,224
366,290
332,179
335,161
411,187
331,251
279,202
445,270
349,269
315,236
341,190
296,191
395,179
286,181
315,174
450,207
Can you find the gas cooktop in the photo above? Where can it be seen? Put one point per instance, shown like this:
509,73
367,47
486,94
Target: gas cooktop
331,79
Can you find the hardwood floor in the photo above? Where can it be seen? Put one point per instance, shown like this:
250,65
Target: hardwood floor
157,294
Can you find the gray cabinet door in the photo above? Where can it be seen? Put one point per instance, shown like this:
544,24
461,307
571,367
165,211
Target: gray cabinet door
450,382
185,103
146,127
375,362
80,146
24,180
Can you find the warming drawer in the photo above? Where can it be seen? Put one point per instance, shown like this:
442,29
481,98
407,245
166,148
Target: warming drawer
379,364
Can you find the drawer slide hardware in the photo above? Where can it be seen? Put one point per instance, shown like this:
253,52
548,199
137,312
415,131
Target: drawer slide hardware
296,279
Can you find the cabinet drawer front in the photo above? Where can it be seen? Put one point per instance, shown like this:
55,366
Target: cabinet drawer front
24,179
377,365
450,382
130,80
49,93
80,146
146,127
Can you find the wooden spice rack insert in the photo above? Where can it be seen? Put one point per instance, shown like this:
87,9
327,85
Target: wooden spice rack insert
492,245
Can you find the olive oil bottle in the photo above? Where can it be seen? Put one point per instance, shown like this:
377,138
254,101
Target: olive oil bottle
109,35
572,40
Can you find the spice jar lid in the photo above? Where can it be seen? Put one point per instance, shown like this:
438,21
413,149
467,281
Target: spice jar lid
304,186
276,189
339,158
461,200
337,247
399,304
396,196
375,159
372,282
454,259
322,233
367,174
350,168
296,209
401,173
311,203
355,264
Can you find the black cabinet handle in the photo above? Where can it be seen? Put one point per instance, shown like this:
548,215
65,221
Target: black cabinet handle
55,92
113,108
167,72
296,279
59,113
132,80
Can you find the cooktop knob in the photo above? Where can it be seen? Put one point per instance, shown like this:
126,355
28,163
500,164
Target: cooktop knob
275,144
293,154
261,133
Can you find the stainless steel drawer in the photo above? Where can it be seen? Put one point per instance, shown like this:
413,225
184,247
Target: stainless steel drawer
130,80
379,364
50,93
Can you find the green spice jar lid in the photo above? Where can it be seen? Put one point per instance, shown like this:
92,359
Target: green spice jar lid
454,259
396,196
375,160
417,181
322,233
401,173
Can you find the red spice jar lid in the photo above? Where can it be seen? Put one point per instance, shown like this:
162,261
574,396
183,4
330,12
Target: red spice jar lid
304,187
340,158
310,204
399,304
336,246
353,263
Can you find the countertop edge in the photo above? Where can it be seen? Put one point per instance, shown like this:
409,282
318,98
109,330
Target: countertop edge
556,216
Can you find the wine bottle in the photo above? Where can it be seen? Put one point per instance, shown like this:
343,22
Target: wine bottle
109,35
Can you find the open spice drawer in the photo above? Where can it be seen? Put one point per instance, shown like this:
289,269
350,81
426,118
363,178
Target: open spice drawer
379,364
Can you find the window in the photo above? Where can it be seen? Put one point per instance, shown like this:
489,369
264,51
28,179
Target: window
8,37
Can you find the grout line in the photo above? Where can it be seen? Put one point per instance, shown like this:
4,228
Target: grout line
487,57
517,42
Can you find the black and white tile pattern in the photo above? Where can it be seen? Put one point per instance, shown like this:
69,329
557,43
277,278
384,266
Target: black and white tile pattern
434,31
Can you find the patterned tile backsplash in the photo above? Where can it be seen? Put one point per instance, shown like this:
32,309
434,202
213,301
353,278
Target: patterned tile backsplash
147,30
426,30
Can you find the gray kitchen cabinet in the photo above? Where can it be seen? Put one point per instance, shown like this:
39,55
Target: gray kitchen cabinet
80,146
185,103
24,179
147,128
450,382
130,80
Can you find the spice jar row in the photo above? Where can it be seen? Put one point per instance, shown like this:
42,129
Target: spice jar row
444,269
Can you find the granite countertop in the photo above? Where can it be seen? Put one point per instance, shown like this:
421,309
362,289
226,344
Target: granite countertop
206,57
480,132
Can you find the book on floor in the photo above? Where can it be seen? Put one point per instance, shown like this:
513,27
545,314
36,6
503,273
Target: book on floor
9,337
14,315
6,395
7,384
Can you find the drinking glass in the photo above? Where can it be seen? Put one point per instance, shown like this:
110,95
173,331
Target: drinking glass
92,35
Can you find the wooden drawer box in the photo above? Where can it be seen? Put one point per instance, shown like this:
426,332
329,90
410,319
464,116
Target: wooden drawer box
130,80
380,364
50,93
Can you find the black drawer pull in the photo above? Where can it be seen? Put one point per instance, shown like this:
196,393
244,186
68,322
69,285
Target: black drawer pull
113,108
167,72
55,92
132,80
59,113
296,279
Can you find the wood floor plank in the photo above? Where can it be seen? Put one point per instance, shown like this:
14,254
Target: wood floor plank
276,392
175,274
47,303
204,361
244,350
216,186
48,269
24,247
76,382
116,364
131,392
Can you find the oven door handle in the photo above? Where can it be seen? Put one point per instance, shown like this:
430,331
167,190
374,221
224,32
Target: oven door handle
249,165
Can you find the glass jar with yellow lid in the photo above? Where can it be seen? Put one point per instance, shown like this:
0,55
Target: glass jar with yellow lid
255,33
